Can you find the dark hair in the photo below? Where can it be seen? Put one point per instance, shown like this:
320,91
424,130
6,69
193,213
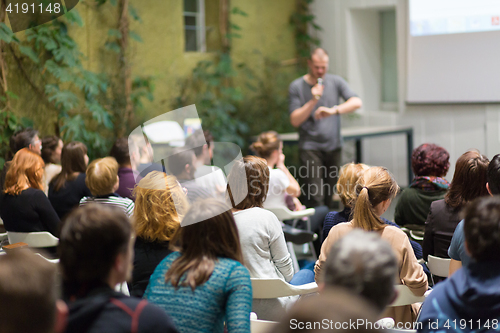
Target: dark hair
482,228
365,264
49,145
208,235
28,293
429,159
22,139
72,161
493,176
469,179
120,151
92,236
266,144
178,160
193,141
248,183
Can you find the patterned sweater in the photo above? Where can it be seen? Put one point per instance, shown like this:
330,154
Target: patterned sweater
225,297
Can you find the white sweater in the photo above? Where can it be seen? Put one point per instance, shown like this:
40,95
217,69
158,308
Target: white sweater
265,254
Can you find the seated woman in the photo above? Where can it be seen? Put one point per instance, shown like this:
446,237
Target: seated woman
51,154
262,240
102,181
23,206
205,284
283,188
468,183
68,187
346,188
376,188
159,207
430,164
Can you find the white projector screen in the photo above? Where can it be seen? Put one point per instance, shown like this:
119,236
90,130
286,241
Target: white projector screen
453,51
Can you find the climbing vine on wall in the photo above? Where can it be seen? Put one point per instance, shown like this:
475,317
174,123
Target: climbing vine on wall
87,106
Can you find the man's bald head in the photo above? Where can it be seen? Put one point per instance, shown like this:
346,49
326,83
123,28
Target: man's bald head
318,63
318,53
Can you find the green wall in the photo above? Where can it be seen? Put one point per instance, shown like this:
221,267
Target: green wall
266,32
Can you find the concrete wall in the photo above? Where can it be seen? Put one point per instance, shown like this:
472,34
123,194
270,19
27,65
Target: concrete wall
351,35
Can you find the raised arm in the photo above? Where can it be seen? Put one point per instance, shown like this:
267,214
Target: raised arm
300,112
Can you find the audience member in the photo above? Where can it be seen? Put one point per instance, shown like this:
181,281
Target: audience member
376,188
51,154
346,188
102,181
468,183
127,163
159,207
430,164
471,295
207,176
334,310
282,185
29,295
205,284
24,207
364,264
262,240
146,156
96,251
25,138
68,187
457,251
182,165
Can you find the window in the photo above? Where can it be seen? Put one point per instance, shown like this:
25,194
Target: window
388,47
194,25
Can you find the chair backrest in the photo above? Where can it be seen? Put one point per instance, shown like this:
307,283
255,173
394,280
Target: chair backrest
405,296
262,326
33,239
275,287
283,213
438,266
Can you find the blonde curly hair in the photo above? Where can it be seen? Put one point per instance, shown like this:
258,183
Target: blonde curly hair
160,205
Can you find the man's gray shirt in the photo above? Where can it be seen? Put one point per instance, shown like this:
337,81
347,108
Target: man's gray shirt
323,134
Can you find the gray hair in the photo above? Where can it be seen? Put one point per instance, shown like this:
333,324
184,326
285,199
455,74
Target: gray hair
365,264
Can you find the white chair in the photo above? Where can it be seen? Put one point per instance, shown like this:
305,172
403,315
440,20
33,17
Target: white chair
438,266
405,296
3,237
262,326
33,239
275,287
284,214
122,288
54,261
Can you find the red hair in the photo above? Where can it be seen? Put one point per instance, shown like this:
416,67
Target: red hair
25,170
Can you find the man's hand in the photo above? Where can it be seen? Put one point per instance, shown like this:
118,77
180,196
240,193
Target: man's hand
323,112
317,90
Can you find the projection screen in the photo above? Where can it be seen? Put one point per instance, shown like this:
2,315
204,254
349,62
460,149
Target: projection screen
453,51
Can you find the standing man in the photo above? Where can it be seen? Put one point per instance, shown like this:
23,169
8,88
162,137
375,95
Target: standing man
315,110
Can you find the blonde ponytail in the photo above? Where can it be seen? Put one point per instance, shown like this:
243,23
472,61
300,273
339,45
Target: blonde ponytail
373,187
